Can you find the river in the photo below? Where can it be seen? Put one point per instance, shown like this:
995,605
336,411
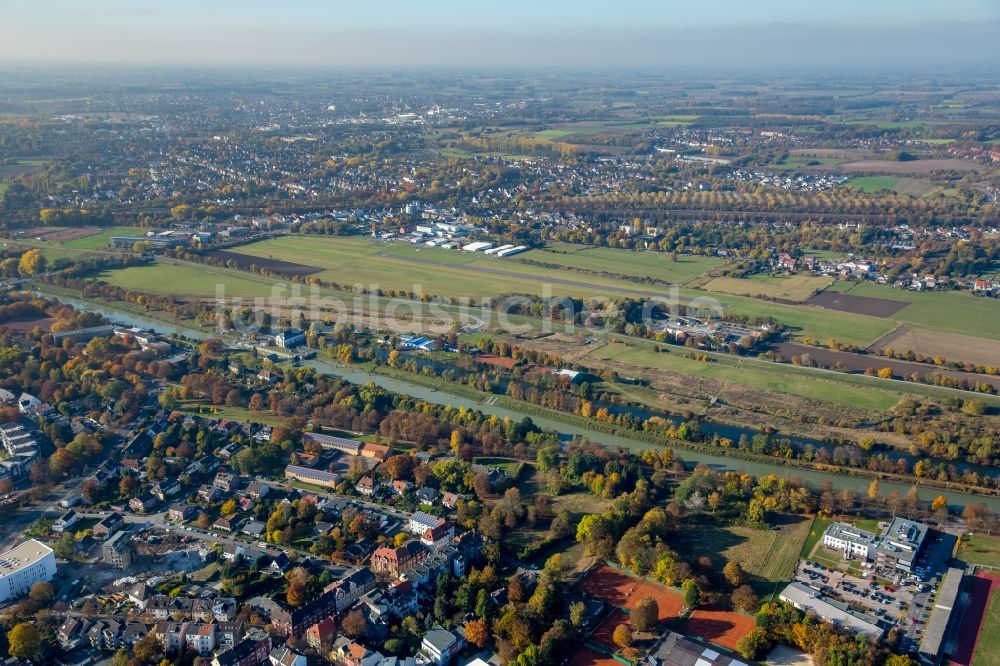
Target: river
442,397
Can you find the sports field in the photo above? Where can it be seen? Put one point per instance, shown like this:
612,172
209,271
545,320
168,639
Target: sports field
870,184
624,590
584,656
794,288
722,627
604,632
772,377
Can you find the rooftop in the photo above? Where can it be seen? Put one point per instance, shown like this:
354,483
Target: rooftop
22,555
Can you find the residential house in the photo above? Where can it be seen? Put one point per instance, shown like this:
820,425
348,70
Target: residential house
210,494
366,486
351,588
253,650
401,487
107,526
182,512
143,503
322,633
257,489
420,522
394,561
286,656
440,645
64,522
450,500
427,496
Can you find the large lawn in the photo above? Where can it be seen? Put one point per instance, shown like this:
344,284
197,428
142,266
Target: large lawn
657,265
945,311
452,273
768,556
186,279
980,549
794,288
772,377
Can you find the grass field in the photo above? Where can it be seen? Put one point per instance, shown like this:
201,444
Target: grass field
980,549
870,184
453,273
946,311
988,648
816,530
654,265
794,288
768,556
184,279
775,378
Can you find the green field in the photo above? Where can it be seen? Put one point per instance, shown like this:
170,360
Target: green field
768,556
772,377
988,650
184,279
794,288
453,273
945,311
656,265
869,184
980,549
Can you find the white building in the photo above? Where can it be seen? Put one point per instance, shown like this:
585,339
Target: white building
24,565
420,522
854,543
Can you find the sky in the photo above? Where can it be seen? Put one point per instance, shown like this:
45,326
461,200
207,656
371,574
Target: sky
515,33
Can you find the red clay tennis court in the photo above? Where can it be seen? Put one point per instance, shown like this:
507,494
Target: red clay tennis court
718,626
625,591
604,633
587,657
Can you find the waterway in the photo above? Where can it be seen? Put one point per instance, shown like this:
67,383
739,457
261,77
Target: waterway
357,375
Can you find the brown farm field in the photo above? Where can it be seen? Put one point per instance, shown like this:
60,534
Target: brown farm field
861,362
951,346
60,234
865,305
722,627
921,167
796,288
278,266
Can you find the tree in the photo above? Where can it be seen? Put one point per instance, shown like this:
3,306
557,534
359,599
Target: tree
691,592
32,263
645,614
733,573
939,504
256,403
622,636
148,649
899,660
476,632
873,490
516,592
41,592
65,546
577,614
229,507
296,594
25,642
744,599
354,624
752,643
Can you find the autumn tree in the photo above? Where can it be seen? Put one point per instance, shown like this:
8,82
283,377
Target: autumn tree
41,592
296,594
645,614
622,636
733,573
25,642
691,592
744,599
32,263
354,624
476,632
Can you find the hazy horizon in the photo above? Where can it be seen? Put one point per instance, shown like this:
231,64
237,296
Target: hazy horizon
514,34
